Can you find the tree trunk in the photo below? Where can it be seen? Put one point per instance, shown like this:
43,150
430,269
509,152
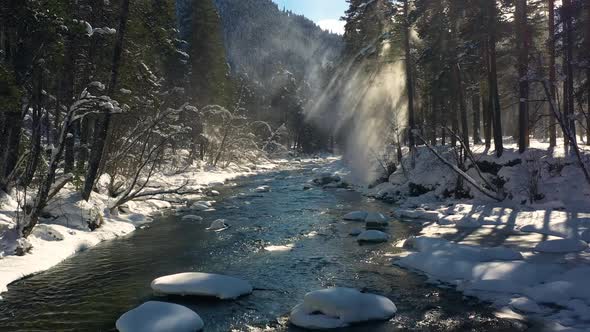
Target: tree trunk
35,146
409,79
523,59
462,108
104,124
568,84
67,91
552,73
475,105
495,101
587,39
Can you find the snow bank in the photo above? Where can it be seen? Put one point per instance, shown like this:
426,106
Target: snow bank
373,236
419,214
202,284
160,317
561,246
340,307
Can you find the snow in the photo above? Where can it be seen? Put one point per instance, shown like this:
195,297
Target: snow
218,225
561,246
524,304
202,284
373,236
340,307
262,189
355,231
156,316
191,217
283,248
376,218
355,216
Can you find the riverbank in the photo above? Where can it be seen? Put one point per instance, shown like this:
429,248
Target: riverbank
64,228
529,260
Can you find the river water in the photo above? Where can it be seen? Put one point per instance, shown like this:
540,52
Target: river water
91,290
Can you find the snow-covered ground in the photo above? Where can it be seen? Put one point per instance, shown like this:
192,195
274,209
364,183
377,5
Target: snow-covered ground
527,259
64,231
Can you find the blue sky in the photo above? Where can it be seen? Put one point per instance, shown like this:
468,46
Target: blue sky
326,13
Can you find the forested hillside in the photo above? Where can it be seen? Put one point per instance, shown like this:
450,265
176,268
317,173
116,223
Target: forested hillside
279,61
91,88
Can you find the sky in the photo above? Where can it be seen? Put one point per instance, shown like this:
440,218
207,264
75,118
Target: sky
326,13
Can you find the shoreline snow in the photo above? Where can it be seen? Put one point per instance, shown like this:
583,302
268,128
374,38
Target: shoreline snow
65,231
529,260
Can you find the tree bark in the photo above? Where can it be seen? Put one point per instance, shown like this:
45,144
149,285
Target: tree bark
475,105
409,74
587,40
523,85
35,146
568,84
103,125
552,73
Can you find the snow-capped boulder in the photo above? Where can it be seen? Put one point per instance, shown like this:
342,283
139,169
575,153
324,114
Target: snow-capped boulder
340,307
191,217
326,178
561,246
156,316
373,236
355,231
47,233
355,216
218,225
585,236
199,206
213,193
524,304
263,189
376,219
202,284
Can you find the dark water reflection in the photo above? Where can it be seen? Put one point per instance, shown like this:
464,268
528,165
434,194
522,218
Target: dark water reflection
91,290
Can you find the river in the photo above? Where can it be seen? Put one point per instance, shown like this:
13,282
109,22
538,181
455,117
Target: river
89,291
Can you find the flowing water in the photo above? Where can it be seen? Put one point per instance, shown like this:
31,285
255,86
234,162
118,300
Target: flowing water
91,290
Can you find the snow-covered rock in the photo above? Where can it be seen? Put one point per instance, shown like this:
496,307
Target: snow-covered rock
213,193
373,236
218,225
326,178
355,231
376,219
156,316
283,248
585,236
561,246
47,233
191,217
199,206
202,284
524,304
340,307
355,216
262,189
